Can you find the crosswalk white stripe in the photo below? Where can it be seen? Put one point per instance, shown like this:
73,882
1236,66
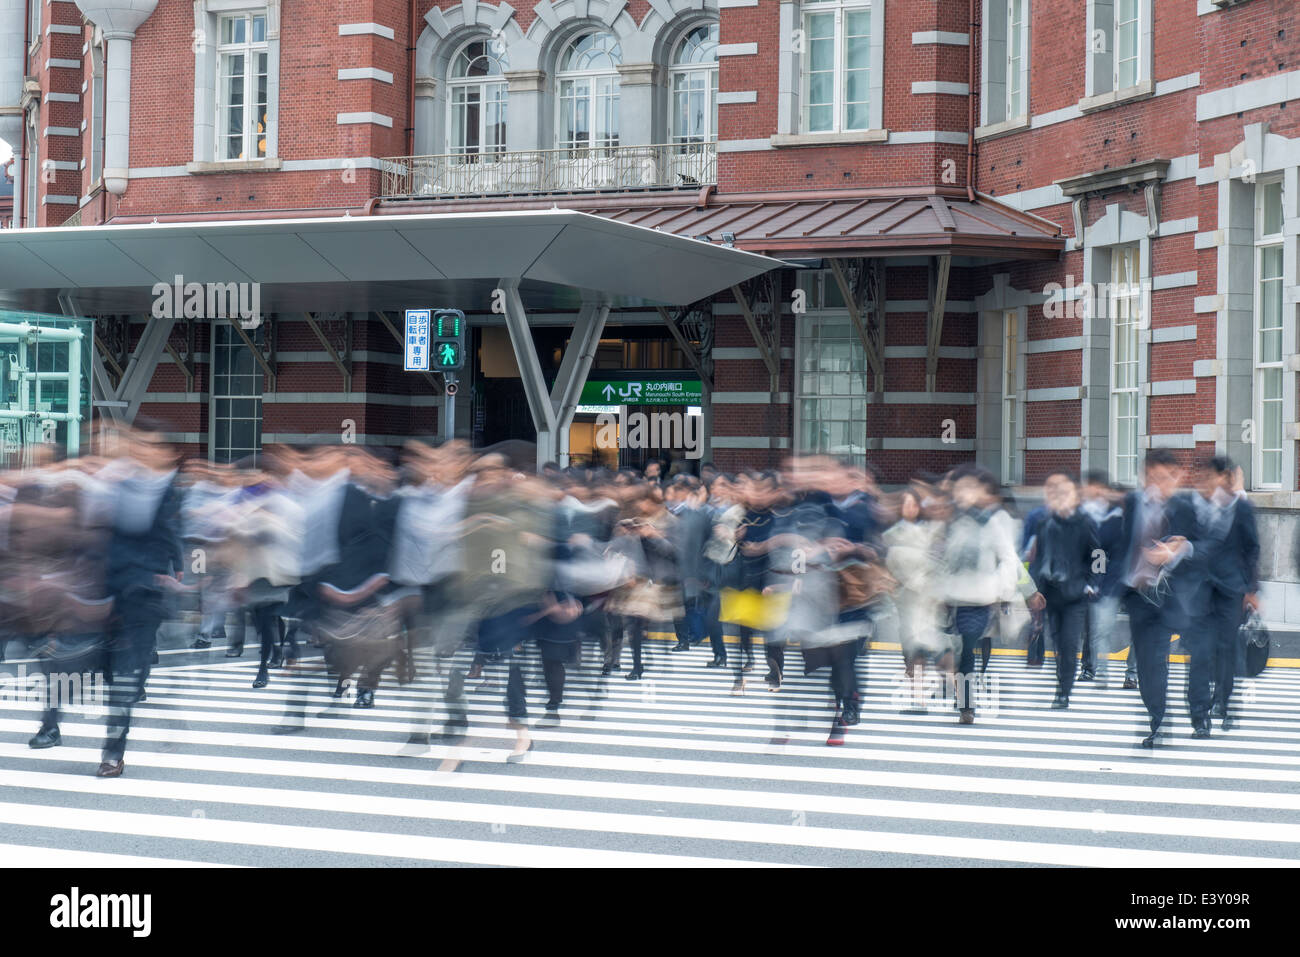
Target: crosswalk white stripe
1150,764
1227,751
713,829
345,841
689,714
423,776
710,828
743,722
24,856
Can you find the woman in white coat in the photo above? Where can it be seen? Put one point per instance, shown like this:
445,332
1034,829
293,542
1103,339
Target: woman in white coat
980,569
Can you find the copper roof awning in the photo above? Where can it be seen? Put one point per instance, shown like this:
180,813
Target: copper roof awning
877,222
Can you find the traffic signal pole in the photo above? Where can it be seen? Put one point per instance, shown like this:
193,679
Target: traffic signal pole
449,390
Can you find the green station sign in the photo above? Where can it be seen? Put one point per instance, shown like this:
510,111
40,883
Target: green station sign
642,392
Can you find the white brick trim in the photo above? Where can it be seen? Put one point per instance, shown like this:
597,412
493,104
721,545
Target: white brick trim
737,49
922,37
737,96
363,29
1066,393
1172,387
1175,280
348,119
366,73
1173,334
929,87
1053,443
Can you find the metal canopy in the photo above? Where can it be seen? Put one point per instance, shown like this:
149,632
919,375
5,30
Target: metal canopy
360,263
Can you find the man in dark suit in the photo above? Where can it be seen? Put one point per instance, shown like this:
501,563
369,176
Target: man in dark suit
143,554
1230,565
1161,531
686,497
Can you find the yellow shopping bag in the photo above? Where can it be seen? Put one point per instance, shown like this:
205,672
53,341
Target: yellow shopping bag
756,610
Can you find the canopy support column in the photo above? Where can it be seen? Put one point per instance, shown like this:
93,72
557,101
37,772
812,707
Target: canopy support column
530,373
574,367
934,331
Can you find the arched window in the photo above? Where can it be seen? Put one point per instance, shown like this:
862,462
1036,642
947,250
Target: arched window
587,83
477,98
694,79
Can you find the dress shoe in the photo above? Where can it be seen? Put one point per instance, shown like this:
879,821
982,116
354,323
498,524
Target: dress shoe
967,716
1217,710
836,737
550,720
1151,740
681,646
110,769
716,663
235,651
1087,674
201,642
365,699
1034,663
1228,723
261,680
45,738
340,689
634,675
1201,732
1060,702
852,711
1130,684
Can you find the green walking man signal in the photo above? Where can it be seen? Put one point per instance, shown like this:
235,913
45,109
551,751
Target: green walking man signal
448,340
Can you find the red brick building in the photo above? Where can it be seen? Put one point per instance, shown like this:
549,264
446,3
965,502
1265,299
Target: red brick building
1037,234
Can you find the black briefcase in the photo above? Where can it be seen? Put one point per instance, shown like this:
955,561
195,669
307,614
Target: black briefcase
1255,638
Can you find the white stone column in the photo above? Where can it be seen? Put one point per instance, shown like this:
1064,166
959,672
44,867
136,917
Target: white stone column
119,19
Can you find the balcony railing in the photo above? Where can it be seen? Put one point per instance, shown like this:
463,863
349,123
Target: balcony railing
662,166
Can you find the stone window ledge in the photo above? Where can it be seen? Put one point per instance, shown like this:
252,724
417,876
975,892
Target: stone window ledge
1104,101
781,140
1017,124
269,165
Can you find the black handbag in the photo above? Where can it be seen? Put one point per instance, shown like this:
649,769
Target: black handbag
1254,636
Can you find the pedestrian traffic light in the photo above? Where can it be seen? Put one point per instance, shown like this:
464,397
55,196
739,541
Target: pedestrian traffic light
448,352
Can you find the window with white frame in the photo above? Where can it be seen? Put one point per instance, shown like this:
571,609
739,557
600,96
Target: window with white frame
837,65
477,95
236,421
34,20
1119,44
1128,47
1005,59
587,87
1125,308
831,387
1015,101
1010,457
243,58
694,79
1269,353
